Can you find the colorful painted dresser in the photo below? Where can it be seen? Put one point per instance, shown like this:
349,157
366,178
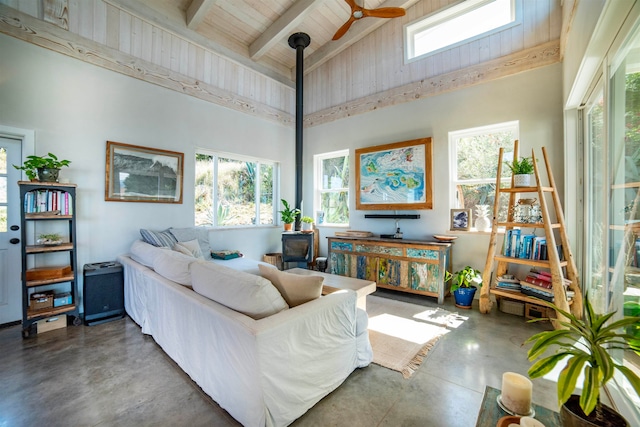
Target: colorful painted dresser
413,266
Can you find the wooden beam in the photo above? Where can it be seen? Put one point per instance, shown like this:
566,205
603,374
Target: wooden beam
528,59
357,32
282,27
56,12
196,12
40,33
147,14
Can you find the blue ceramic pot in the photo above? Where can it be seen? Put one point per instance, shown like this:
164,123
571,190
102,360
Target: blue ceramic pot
464,297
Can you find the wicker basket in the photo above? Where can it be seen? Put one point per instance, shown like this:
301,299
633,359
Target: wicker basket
511,307
273,259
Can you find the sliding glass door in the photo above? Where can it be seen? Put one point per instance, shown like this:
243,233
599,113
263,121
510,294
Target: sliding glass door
612,197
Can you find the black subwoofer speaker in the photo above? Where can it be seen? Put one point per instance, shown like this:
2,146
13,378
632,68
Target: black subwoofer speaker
103,292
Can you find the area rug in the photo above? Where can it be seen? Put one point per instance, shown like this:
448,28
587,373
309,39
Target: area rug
402,334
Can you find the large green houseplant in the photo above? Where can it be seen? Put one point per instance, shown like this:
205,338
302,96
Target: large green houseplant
584,344
45,168
463,285
288,214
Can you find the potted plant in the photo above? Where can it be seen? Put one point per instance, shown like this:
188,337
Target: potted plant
307,224
463,285
46,168
585,343
288,215
51,239
521,170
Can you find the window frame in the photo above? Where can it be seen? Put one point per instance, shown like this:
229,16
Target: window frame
454,136
317,184
440,17
215,197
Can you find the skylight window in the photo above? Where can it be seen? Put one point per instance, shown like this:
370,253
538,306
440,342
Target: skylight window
459,23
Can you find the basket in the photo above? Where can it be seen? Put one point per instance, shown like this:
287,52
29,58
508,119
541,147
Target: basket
512,307
273,259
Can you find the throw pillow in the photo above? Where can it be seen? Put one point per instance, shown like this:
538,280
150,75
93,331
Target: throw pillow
158,238
174,266
216,254
190,248
145,253
189,233
294,288
246,293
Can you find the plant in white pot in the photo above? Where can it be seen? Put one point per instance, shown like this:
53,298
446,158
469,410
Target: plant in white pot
587,344
521,170
306,224
463,285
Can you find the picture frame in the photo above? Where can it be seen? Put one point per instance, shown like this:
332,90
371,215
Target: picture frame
141,174
460,219
396,176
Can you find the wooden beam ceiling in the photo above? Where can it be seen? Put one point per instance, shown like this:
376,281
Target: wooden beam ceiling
196,12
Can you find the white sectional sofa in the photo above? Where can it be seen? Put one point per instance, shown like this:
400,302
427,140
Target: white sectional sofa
265,371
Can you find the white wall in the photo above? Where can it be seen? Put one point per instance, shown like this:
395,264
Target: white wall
75,108
534,98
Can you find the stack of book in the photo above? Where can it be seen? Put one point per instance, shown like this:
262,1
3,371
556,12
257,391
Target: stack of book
508,283
538,284
526,246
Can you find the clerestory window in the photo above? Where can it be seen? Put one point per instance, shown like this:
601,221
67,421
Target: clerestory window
460,23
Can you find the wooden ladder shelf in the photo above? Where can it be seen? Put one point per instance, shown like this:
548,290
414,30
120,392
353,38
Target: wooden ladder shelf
552,232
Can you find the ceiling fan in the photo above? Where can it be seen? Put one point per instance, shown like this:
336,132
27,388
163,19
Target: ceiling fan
358,12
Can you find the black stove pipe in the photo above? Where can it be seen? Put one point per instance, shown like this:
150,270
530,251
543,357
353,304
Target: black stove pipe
299,41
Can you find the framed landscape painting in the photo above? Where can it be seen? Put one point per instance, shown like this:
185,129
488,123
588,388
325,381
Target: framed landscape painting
395,176
143,174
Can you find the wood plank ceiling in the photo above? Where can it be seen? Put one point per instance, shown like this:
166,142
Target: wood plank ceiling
255,32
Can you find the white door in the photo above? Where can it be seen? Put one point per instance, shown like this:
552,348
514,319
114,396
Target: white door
10,261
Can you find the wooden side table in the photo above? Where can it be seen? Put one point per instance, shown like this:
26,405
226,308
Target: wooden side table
490,412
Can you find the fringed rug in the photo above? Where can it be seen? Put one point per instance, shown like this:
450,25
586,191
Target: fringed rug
399,342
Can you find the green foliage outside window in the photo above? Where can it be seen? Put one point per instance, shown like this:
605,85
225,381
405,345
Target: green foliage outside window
238,184
477,166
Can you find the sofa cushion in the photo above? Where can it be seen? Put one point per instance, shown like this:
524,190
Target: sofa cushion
295,288
246,293
158,238
144,253
190,248
189,233
174,266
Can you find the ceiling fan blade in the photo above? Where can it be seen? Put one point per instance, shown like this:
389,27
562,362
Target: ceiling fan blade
342,30
385,12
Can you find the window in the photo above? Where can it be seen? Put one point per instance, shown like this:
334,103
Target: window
234,190
612,200
474,163
332,188
456,24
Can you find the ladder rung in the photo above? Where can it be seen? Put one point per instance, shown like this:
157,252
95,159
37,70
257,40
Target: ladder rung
526,225
526,190
527,261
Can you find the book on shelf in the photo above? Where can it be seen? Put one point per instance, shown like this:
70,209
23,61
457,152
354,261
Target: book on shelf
48,201
544,283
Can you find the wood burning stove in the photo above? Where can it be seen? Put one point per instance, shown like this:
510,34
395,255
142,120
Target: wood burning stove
297,247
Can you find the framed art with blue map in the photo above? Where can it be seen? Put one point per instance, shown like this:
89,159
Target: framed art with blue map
395,176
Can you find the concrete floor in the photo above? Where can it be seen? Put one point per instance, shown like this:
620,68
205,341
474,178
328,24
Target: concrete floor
113,375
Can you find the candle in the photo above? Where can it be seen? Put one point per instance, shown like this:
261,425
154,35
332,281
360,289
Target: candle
516,393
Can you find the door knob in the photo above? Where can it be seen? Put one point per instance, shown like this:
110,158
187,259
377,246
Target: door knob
14,241
14,228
